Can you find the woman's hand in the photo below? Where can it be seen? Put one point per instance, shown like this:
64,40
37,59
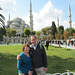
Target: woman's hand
29,73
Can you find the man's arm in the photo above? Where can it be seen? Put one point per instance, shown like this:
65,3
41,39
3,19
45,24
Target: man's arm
44,57
18,57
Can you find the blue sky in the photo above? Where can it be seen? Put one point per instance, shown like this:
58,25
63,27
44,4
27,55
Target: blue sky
44,11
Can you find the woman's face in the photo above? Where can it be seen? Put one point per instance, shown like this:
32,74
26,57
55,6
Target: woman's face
26,50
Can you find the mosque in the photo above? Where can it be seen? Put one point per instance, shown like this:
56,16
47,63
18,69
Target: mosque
19,25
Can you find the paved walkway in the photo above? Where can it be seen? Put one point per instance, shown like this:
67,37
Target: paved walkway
70,47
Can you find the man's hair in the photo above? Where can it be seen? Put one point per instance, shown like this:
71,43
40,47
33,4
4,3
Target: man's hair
34,36
26,45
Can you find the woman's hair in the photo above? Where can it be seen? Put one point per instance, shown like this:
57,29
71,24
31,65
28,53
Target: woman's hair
25,45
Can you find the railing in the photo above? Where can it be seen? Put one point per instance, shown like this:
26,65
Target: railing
65,73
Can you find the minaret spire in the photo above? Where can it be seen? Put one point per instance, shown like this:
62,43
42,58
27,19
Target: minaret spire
70,15
31,17
9,16
58,23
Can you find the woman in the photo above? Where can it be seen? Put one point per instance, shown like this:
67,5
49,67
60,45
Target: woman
24,64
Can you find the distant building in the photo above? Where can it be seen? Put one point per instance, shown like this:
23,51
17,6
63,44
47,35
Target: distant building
18,24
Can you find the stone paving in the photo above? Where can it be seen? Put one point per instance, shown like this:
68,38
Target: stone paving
70,47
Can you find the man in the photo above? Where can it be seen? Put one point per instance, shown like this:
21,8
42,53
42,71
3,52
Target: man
46,44
39,58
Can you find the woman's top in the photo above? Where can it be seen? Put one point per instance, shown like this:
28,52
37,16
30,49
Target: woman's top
24,64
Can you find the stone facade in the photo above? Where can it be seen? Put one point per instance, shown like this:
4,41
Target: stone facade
18,24
16,40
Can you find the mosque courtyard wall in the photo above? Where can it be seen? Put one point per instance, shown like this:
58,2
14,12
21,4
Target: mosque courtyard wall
16,40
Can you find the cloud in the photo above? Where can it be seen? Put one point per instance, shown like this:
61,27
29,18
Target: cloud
14,9
14,2
45,16
7,5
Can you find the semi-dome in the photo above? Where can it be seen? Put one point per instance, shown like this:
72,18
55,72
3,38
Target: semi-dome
15,25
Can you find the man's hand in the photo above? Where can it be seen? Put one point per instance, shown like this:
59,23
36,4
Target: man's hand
45,69
18,57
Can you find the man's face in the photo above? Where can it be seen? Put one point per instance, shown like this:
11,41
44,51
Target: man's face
33,40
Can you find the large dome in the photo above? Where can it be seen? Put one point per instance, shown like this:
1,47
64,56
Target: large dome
17,19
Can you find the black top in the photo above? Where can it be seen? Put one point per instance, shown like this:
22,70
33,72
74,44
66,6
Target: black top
39,58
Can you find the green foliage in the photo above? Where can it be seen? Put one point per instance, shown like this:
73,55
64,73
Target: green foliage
2,18
38,33
70,30
46,30
2,32
10,32
66,35
53,29
61,30
57,36
33,32
27,31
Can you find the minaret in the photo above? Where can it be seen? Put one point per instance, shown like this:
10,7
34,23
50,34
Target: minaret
31,17
8,22
9,17
58,23
70,16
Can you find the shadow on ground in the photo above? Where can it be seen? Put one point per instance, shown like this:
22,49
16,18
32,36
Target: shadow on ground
56,64
59,65
8,64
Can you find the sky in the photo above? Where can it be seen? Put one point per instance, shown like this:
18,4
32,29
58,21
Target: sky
44,12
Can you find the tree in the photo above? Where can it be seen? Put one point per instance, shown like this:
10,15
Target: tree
13,32
61,30
2,23
38,33
2,32
33,32
66,35
43,31
27,31
2,18
46,30
71,31
57,36
51,37
10,32
53,29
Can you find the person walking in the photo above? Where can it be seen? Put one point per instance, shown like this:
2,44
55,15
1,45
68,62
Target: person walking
46,44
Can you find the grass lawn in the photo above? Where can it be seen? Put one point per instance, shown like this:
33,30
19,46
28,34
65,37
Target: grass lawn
59,59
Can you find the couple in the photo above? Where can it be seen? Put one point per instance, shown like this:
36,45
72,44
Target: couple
36,57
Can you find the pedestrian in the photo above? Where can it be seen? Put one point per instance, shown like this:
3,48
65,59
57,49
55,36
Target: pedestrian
47,44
